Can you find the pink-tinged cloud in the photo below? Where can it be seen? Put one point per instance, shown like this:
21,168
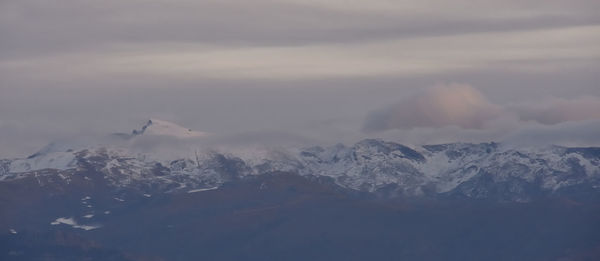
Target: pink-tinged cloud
465,107
444,105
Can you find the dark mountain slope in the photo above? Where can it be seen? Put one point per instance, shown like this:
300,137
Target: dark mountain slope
282,216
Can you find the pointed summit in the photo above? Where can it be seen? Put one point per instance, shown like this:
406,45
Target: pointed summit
166,128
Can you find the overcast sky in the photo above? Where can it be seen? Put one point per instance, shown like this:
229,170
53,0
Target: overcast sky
315,71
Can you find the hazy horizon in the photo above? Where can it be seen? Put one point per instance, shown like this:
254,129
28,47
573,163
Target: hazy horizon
308,71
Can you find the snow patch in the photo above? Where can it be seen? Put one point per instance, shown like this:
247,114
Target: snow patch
52,160
202,189
71,222
165,128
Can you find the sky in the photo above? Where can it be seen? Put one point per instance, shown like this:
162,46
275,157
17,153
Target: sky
302,71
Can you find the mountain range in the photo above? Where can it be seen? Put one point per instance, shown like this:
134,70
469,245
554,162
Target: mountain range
482,171
111,202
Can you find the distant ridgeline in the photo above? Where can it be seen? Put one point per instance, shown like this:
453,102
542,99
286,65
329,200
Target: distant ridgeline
374,200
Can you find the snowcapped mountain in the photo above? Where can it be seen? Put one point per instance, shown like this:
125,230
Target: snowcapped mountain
160,127
481,171
120,199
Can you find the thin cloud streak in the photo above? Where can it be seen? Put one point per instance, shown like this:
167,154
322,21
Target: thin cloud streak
409,57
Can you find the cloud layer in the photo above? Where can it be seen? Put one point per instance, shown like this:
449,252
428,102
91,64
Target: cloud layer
461,112
466,107
555,110
295,69
54,41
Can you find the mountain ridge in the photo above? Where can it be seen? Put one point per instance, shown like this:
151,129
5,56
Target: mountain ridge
381,199
472,170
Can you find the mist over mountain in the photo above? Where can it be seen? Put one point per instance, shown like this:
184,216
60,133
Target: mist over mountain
380,198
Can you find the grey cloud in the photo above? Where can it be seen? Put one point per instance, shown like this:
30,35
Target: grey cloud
560,110
68,41
572,134
35,110
46,27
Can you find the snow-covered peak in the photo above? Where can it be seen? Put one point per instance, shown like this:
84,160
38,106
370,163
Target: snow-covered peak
51,160
166,128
